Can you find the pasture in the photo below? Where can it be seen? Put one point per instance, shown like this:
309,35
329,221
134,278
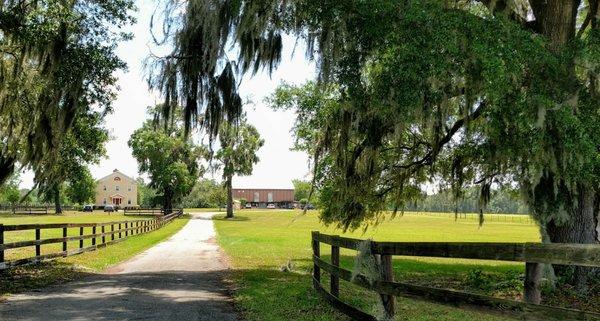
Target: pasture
66,217
271,255
24,278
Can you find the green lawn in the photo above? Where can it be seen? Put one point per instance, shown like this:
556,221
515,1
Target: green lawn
67,217
261,244
64,269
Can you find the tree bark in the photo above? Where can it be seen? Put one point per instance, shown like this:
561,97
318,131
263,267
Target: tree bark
229,197
556,20
581,228
57,207
7,168
168,201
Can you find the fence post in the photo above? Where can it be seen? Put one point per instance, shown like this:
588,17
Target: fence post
533,275
335,279
112,230
387,275
94,234
103,235
317,253
119,230
81,239
1,243
38,250
65,241
126,230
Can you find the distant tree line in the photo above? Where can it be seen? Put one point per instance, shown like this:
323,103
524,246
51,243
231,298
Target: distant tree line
503,201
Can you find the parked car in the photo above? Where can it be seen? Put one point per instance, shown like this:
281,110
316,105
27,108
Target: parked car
308,206
248,205
271,205
88,208
109,208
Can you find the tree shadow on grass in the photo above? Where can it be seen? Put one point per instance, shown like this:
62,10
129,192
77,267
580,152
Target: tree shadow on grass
236,218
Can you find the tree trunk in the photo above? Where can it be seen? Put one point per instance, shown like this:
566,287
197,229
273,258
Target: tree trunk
7,168
556,19
580,228
168,201
229,197
57,207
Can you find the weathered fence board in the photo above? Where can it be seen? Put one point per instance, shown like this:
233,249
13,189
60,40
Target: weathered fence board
529,310
564,254
131,228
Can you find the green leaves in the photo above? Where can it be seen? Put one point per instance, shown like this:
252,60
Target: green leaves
57,66
170,160
239,144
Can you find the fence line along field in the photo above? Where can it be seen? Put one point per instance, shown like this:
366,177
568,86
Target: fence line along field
272,264
68,217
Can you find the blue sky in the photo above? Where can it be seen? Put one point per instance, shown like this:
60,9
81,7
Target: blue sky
278,165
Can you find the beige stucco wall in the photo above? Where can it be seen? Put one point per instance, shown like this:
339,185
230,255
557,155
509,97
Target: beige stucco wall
123,186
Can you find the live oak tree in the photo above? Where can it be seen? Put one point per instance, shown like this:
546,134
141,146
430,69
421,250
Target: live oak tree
170,160
81,146
57,63
462,93
81,187
239,143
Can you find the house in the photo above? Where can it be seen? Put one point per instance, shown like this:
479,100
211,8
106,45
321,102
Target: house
261,197
116,189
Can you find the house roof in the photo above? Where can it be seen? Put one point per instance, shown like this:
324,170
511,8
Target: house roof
116,171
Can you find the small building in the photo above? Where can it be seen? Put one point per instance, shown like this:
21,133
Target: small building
262,197
116,189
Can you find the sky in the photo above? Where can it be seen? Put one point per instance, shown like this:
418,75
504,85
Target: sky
277,166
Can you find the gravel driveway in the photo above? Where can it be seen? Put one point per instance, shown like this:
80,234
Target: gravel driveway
178,279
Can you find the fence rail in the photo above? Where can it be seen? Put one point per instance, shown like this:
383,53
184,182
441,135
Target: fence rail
35,209
488,217
145,211
99,233
533,254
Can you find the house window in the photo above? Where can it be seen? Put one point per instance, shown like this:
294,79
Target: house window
117,187
256,197
129,189
105,187
129,201
270,197
104,202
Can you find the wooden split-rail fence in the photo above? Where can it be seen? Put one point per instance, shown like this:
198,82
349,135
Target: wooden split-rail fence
147,211
101,234
533,254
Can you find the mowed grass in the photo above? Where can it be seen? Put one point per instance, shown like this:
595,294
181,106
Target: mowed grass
271,255
67,217
61,270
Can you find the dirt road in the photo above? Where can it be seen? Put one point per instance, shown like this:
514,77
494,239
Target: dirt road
178,279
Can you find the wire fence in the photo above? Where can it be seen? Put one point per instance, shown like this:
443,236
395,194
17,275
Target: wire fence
488,217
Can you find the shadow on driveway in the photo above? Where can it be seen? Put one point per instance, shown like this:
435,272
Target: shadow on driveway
169,295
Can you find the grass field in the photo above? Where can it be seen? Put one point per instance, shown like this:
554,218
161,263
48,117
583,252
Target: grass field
65,269
67,217
271,255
